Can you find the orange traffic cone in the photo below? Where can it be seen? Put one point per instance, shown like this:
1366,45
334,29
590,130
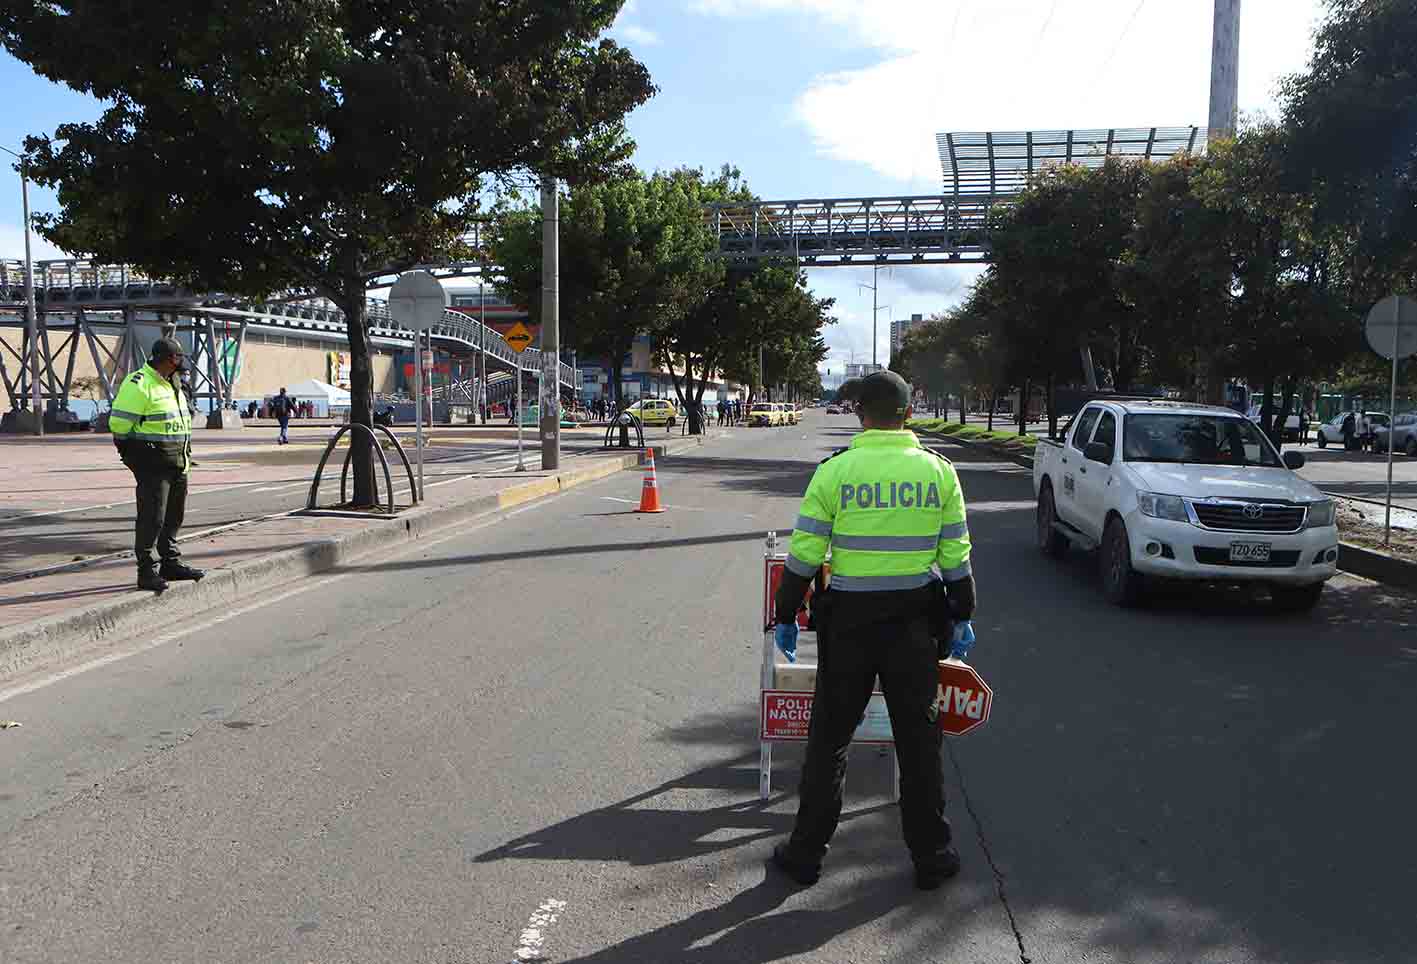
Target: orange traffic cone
649,494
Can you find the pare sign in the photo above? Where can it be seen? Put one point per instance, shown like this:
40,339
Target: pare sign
962,698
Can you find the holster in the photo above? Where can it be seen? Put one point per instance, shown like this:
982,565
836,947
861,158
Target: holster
820,619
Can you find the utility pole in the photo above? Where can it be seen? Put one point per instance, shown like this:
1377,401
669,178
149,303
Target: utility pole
481,400
31,321
550,326
875,288
1225,69
31,324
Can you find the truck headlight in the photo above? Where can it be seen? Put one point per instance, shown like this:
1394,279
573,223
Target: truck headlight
1320,514
1170,507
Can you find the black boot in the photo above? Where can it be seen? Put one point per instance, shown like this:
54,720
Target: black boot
800,871
150,580
930,876
177,572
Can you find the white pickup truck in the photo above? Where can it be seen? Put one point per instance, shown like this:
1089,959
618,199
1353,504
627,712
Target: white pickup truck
1183,492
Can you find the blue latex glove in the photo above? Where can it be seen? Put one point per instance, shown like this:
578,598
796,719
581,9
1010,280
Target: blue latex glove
963,640
785,636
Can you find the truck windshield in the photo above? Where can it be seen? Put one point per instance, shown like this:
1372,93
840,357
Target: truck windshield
1198,439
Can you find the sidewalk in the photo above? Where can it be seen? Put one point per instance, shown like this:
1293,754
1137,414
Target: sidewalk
60,614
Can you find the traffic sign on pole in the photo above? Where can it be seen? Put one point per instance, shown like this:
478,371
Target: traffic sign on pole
1391,330
962,699
518,337
418,300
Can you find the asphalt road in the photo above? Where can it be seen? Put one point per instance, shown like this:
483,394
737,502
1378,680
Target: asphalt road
258,480
538,736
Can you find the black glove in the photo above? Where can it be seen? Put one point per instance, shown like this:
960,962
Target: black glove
960,595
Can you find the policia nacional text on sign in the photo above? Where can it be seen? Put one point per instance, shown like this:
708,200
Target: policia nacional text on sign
892,514
152,429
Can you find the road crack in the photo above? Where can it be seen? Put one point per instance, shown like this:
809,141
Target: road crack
999,887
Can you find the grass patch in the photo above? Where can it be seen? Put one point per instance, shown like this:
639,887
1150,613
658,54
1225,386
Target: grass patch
1007,441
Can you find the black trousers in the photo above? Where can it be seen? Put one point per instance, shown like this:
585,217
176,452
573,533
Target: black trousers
162,503
900,652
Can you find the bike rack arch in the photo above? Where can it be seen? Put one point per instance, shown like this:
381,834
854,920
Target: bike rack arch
624,422
310,502
403,455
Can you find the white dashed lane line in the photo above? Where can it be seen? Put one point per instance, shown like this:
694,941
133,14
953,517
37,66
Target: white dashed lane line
531,943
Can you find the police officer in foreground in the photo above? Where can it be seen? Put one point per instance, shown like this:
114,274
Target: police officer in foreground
152,429
892,513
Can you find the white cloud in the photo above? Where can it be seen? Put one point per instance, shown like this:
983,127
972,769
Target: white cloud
638,35
957,65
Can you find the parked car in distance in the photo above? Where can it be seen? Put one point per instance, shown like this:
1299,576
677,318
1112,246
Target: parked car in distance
655,411
1404,435
1291,424
1174,491
765,414
1331,432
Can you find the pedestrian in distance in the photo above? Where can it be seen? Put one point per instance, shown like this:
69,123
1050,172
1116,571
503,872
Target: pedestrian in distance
892,513
282,407
152,430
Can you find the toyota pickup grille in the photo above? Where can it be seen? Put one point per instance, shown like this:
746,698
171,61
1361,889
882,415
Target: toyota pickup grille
1249,516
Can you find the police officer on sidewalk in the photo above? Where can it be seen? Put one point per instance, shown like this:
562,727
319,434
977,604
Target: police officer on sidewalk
892,513
152,429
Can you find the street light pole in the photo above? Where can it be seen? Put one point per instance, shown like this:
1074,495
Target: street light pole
550,326
31,322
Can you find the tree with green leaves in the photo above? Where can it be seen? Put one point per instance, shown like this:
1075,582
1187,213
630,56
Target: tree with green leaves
1351,119
630,242
262,146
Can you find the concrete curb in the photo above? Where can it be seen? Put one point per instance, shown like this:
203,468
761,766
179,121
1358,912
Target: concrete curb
1025,460
1377,565
28,646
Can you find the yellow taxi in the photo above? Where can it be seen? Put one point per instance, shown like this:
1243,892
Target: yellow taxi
789,413
765,413
655,411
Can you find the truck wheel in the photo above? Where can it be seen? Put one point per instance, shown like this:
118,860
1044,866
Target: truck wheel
1323,441
1296,599
1121,584
1051,542
1411,447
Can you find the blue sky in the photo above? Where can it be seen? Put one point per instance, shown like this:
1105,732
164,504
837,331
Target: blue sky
833,98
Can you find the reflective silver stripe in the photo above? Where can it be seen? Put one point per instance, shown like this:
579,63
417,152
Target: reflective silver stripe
958,572
956,531
800,568
161,416
881,583
161,436
816,527
886,543
130,416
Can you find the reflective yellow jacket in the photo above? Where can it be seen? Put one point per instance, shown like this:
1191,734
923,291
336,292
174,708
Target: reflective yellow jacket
892,513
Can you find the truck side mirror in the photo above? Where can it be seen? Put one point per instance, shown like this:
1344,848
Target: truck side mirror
1098,452
1293,461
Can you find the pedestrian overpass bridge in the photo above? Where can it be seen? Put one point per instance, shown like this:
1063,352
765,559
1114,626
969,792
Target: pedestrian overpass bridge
75,299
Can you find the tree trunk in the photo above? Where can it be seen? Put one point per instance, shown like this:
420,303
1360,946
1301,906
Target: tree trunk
1285,403
361,393
1023,396
1267,409
963,405
993,403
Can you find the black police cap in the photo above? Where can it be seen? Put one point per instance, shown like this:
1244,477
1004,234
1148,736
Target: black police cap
167,348
882,388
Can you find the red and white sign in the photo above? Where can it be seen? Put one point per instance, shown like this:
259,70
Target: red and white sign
962,698
772,578
787,714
